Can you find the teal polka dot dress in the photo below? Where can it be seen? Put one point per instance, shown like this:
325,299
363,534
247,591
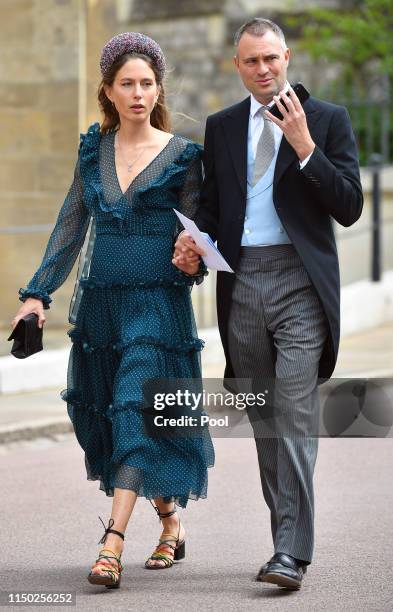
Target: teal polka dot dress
132,315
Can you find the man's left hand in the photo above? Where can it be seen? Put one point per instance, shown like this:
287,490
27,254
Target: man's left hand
293,124
186,254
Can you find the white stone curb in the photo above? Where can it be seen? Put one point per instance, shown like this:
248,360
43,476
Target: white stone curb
46,369
365,305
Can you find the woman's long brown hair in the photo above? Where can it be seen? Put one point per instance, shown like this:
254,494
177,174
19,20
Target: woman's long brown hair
159,117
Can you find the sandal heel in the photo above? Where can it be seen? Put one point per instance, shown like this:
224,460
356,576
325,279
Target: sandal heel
180,552
114,586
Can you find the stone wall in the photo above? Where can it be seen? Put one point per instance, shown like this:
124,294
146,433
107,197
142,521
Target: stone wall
39,132
198,42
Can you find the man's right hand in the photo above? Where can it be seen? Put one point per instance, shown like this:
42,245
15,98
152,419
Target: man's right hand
29,306
187,254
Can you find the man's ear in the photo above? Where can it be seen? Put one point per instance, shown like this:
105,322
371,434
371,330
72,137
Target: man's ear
236,61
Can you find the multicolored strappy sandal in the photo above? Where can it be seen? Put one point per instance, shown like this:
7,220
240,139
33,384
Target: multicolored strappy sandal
169,548
112,576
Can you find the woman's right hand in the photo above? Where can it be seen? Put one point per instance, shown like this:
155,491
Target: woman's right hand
29,306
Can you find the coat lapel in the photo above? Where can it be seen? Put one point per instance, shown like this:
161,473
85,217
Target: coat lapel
235,124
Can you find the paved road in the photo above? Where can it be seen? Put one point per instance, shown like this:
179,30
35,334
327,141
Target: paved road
50,527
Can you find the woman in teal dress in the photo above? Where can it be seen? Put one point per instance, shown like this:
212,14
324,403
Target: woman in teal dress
131,308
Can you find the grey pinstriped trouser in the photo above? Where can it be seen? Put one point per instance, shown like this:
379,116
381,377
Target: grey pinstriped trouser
277,329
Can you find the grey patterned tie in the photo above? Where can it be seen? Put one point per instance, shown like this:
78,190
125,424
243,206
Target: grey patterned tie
265,149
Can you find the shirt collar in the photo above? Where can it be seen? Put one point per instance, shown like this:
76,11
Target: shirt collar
255,105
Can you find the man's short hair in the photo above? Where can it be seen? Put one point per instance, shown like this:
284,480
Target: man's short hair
259,27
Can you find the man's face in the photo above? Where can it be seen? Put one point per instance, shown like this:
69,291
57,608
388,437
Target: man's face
262,64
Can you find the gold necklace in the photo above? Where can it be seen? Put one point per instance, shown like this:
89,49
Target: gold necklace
129,165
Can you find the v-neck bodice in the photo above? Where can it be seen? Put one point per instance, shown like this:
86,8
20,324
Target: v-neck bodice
140,174
170,180
151,173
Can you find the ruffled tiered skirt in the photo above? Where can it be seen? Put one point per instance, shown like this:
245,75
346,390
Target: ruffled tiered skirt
132,328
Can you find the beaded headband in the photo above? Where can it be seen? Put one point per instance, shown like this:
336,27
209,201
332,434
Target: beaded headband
132,42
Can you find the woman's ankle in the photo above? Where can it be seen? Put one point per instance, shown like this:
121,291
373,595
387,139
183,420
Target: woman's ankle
171,520
173,525
114,543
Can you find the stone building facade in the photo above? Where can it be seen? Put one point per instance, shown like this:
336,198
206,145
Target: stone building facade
49,54
39,65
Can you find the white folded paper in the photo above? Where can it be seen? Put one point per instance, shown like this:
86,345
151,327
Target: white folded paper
212,258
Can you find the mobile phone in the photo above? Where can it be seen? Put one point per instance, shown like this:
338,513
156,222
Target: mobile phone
301,93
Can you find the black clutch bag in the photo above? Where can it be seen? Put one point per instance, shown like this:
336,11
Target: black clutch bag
27,337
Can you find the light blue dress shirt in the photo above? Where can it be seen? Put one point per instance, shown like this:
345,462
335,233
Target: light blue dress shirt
262,226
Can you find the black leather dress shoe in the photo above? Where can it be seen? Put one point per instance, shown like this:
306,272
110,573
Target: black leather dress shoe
283,570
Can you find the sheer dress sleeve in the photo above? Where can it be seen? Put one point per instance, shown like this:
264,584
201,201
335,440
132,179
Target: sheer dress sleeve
189,202
63,246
